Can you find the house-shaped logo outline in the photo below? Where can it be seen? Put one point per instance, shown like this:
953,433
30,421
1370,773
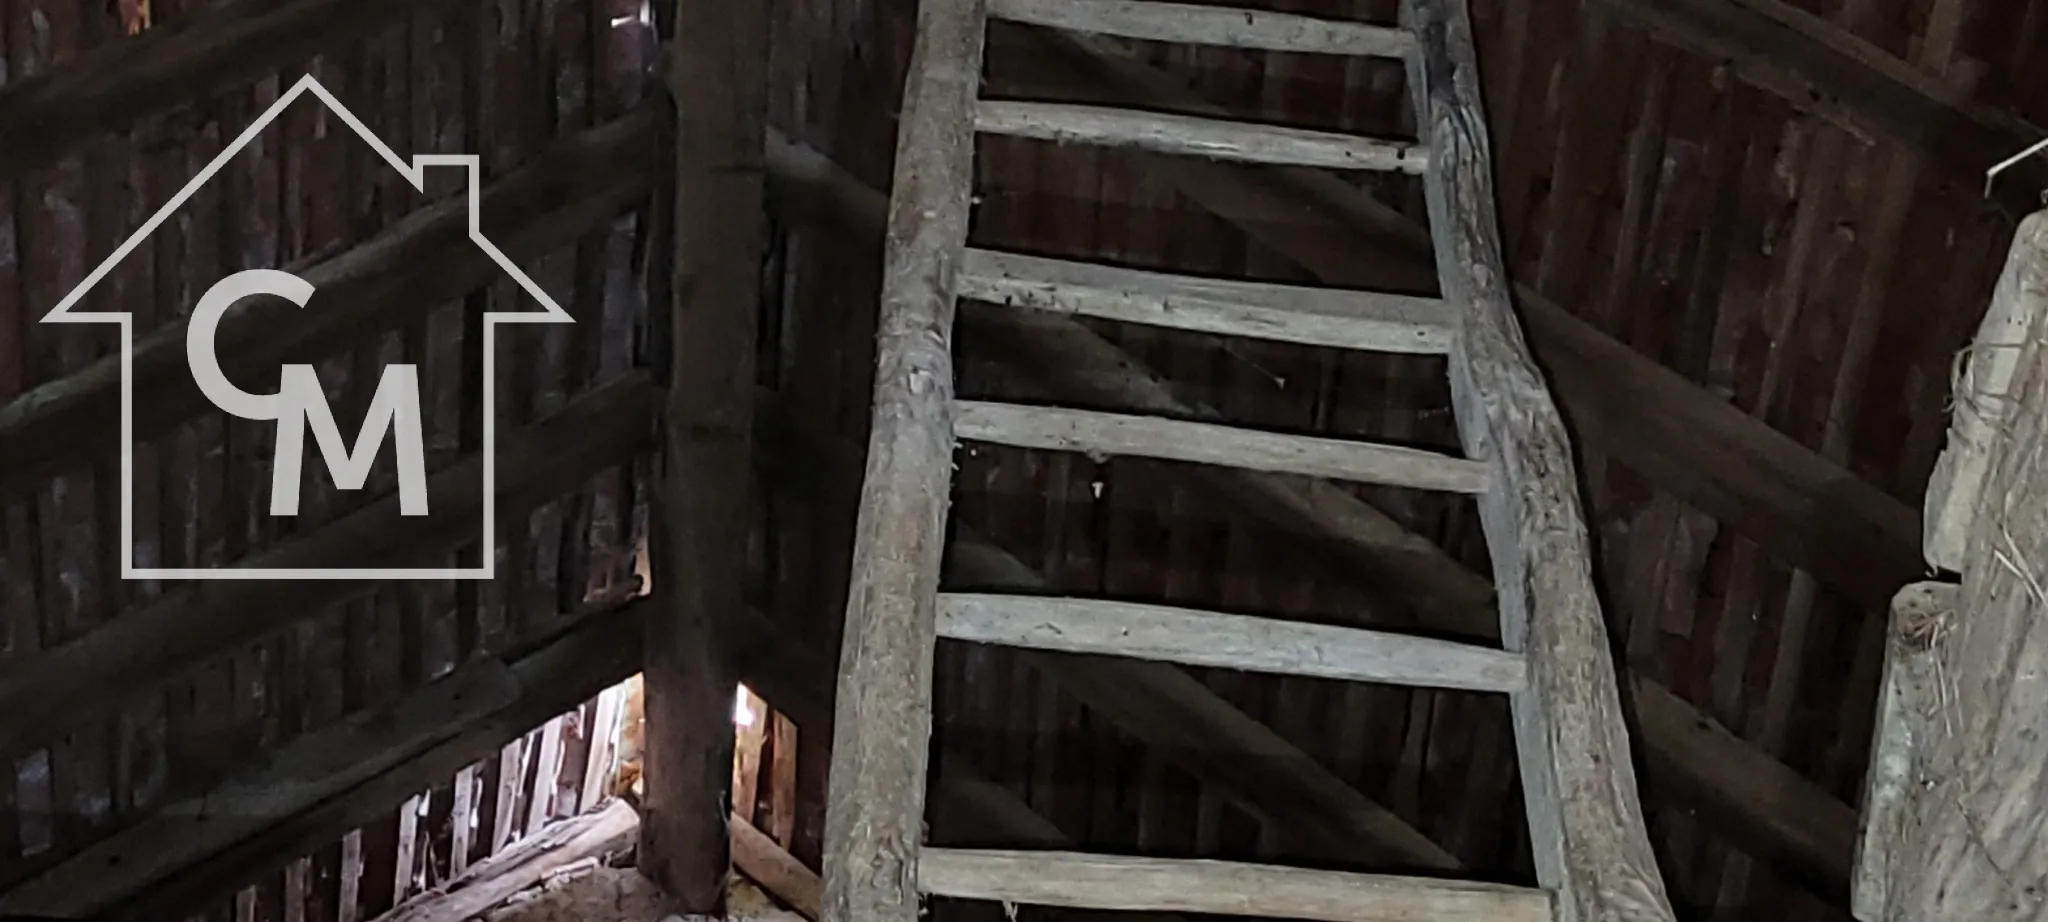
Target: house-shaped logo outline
414,174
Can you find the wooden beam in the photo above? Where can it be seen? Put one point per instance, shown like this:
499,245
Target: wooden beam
874,814
1122,434
1066,123
1225,641
1821,67
1590,841
60,688
1760,803
1117,882
427,258
50,115
1260,310
1189,24
776,870
704,508
315,789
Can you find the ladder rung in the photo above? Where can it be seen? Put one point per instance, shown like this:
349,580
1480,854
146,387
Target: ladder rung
1289,313
1189,24
1187,134
1098,433
1115,882
1227,641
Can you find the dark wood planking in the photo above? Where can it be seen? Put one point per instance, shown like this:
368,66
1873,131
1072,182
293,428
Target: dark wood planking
152,644
1825,69
704,504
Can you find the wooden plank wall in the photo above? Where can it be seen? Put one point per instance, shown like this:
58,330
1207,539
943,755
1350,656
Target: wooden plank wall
500,78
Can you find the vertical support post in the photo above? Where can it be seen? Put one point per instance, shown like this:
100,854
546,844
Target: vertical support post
882,721
1591,846
717,78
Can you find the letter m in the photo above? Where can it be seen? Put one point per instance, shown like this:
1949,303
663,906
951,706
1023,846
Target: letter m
395,407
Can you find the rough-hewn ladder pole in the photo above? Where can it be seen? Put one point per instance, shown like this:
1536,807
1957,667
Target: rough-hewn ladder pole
717,75
882,724
1586,823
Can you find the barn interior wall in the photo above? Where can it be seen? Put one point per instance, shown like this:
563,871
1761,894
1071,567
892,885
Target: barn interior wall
510,80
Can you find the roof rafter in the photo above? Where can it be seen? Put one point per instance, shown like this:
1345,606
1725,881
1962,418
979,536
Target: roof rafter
1823,68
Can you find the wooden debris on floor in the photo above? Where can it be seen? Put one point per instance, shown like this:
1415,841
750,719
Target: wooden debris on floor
579,870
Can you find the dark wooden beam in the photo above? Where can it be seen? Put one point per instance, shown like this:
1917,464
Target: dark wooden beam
1750,796
315,789
50,115
1823,68
138,650
704,509
579,185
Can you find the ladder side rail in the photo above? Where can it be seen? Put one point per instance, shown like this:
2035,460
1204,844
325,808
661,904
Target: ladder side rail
1586,822
882,719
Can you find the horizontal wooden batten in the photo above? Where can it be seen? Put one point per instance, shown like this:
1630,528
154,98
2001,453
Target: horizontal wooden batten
1070,123
1113,882
1206,638
1097,433
1335,317
1189,24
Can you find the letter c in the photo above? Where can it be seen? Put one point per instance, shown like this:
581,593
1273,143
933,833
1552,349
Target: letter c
205,322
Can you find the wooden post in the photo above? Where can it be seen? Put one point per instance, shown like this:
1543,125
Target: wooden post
1585,818
882,723
718,80
1960,837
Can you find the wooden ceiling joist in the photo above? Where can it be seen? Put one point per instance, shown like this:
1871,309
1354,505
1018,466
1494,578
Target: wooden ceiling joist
1749,794
141,649
1820,67
717,78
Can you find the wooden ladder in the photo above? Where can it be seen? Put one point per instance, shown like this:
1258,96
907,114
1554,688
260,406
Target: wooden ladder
1592,855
